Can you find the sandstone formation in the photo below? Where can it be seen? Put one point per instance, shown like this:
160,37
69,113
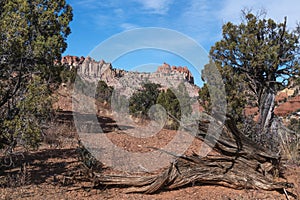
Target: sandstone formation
288,104
288,101
291,106
187,75
168,77
72,61
184,70
127,81
165,68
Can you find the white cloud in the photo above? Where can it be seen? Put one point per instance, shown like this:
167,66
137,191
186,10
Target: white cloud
276,10
156,6
128,26
203,19
199,19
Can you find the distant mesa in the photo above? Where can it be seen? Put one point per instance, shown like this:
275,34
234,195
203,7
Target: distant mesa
185,71
128,81
166,68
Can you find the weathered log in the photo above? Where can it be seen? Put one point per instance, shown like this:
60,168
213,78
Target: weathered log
241,164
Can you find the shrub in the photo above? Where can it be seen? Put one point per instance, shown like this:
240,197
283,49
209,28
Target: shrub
27,119
171,104
103,92
141,101
68,76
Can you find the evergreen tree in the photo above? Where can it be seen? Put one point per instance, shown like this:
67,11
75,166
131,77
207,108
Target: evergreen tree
32,36
141,101
103,92
236,92
264,54
172,105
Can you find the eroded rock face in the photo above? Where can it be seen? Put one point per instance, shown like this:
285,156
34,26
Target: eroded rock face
167,69
127,82
292,105
184,70
72,61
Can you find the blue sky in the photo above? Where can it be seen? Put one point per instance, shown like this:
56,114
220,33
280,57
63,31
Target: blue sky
97,20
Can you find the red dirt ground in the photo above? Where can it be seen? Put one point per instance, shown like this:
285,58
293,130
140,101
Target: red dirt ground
52,170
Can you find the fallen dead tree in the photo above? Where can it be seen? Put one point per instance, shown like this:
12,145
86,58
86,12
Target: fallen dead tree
240,164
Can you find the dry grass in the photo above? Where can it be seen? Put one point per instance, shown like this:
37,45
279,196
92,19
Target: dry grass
290,145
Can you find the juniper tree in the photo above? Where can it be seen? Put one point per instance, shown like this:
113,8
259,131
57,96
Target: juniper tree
32,36
141,101
265,54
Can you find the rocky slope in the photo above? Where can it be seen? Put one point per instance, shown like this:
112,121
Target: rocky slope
127,81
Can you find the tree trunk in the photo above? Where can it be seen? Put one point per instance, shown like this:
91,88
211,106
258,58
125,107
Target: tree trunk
267,126
240,164
266,108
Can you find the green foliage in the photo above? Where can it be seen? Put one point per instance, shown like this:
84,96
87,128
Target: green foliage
169,101
175,101
235,89
256,58
68,76
259,49
119,103
32,36
171,104
298,80
34,31
84,87
204,98
30,113
103,92
184,99
141,101
212,95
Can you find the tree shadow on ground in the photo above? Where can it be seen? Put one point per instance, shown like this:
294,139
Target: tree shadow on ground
90,123
43,165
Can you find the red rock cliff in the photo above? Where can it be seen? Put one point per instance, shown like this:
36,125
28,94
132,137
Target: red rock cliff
165,68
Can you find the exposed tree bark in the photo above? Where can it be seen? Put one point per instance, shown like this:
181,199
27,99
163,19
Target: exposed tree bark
241,164
267,131
266,108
